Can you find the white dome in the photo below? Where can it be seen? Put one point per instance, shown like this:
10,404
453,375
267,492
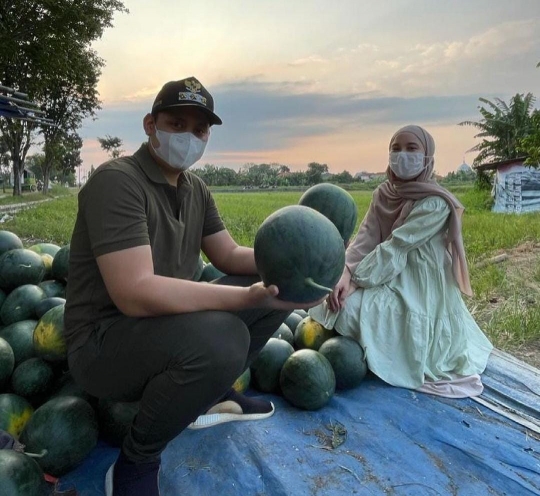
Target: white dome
465,168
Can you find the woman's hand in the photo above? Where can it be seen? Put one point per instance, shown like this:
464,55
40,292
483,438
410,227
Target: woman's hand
266,297
342,290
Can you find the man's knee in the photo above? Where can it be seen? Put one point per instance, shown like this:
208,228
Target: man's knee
222,347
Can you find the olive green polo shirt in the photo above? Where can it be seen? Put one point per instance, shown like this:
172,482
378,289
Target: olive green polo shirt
127,202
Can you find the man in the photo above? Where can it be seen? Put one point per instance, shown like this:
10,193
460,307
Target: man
136,325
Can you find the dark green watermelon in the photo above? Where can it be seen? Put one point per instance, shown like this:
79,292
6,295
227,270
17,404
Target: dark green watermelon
115,419
293,320
31,378
283,332
66,427
21,304
209,273
335,204
347,359
19,267
60,266
241,385
307,380
200,267
53,288
15,412
20,475
45,248
46,304
49,339
65,385
9,241
266,368
20,337
301,252
7,363
310,334
301,312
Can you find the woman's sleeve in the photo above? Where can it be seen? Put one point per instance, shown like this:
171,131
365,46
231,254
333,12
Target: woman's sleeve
388,259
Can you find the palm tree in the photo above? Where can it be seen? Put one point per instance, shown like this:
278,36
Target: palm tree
502,127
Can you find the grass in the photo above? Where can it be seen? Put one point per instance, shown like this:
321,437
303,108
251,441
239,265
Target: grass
507,296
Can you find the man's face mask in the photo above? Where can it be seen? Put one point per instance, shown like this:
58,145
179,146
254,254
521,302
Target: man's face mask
406,165
179,150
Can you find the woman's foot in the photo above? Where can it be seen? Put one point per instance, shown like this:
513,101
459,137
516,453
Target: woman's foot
233,407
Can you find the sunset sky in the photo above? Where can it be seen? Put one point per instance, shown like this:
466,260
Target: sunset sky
318,81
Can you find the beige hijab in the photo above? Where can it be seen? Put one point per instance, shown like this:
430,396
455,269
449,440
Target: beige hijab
393,201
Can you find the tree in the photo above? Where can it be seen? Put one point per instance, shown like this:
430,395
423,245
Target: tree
344,177
112,145
46,52
530,145
315,172
502,128
5,162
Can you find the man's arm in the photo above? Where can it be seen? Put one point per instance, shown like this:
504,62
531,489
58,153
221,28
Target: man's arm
227,256
137,292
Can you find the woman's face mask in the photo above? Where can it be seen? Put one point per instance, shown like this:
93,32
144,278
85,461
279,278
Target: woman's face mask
406,165
179,150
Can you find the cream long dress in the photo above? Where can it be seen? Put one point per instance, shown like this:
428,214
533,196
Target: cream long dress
408,313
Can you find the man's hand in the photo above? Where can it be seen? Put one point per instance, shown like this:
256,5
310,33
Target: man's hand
342,290
266,297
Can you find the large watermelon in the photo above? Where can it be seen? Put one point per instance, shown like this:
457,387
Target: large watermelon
347,359
283,332
65,385
48,248
20,266
266,368
209,273
21,304
20,475
7,363
66,427
301,252
9,241
46,304
293,320
242,384
60,266
53,288
49,341
15,412
47,262
334,203
200,267
115,419
20,337
310,334
32,378
307,380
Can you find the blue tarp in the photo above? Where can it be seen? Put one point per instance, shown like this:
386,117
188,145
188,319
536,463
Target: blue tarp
398,442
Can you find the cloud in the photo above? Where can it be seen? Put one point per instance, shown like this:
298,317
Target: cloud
312,59
274,116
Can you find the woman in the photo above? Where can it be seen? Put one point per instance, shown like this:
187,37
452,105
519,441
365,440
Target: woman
400,292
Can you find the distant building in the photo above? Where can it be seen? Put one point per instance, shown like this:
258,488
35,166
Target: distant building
516,187
465,168
370,176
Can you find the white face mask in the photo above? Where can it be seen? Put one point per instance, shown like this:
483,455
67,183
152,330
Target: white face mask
406,165
179,150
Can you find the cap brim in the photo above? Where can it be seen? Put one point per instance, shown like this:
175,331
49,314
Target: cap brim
213,118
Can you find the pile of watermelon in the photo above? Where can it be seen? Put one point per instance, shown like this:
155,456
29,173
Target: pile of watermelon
40,405
306,363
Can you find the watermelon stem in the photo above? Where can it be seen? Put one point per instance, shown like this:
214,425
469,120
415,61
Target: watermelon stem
310,282
36,455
